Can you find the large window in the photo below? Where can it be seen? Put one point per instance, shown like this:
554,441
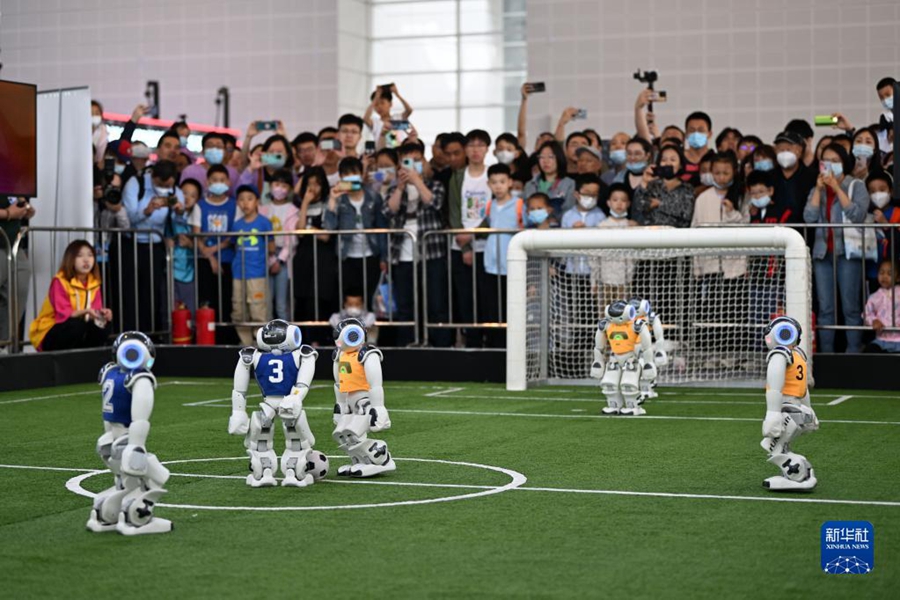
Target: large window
459,63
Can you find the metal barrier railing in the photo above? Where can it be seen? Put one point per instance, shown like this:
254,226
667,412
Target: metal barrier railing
11,282
115,247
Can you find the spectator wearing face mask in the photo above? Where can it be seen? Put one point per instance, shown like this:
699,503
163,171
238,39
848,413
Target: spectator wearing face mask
99,134
793,179
865,151
885,210
508,152
663,198
802,128
276,154
283,215
837,197
618,156
698,127
885,90
383,174
638,154
213,154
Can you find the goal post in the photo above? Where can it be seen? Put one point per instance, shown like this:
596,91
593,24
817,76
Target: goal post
556,292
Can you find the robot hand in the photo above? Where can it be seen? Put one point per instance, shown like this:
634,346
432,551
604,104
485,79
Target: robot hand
661,358
238,423
773,425
134,460
597,370
291,407
379,419
648,372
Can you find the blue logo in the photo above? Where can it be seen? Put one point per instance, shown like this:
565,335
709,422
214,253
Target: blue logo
848,547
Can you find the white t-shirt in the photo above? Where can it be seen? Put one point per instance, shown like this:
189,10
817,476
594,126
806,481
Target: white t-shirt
474,199
358,246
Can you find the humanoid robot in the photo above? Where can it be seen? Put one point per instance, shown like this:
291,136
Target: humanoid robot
127,388
788,411
359,402
630,359
660,358
284,369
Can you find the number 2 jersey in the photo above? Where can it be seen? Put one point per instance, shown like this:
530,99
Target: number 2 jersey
116,385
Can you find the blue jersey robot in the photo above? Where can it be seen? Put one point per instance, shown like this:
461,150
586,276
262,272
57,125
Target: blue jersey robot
284,370
127,387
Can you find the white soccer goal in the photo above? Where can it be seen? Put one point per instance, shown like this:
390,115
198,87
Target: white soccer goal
715,289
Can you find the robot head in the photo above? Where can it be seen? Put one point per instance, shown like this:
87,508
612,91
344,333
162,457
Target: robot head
278,336
134,350
350,334
641,307
620,312
783,331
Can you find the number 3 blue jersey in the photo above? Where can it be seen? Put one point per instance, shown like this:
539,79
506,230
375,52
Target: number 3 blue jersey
276,374
116,397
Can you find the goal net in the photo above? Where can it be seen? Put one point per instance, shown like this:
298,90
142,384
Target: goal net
714,289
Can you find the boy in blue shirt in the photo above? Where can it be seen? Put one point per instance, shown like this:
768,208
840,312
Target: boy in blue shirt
250,266
503,212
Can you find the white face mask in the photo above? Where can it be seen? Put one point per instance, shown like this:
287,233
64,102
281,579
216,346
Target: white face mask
587,202
353,311
506,156
96,121
707,179
618,215
880,199
787,159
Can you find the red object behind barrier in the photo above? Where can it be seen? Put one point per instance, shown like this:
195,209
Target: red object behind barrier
206,326
181,326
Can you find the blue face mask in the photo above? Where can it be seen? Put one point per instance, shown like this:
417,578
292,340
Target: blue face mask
617,157
418,166
214,156
760,202
182,139
273,160
516,194
763,165
721,187
119,168
863,151
697,140
637,167
218,189
837,169
538,216
352,178
888,103
385,174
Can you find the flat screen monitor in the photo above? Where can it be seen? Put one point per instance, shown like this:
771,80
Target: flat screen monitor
18,139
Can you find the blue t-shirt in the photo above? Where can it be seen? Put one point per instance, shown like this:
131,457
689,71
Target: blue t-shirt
116,398
276,374
218,219
182,258
501,217
251,254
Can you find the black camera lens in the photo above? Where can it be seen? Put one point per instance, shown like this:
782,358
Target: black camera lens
112,195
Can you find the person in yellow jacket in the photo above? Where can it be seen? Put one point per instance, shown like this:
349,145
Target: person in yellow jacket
73,315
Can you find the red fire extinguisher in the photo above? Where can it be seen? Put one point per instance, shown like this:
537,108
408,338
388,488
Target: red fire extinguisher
181,325
206,326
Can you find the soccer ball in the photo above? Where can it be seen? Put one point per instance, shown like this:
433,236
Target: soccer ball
317,465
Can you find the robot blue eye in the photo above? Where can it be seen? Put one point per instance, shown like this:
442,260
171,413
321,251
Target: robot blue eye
353,336
132,355
785,334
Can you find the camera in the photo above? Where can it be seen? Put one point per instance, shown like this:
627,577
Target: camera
172,200
648,77
112,194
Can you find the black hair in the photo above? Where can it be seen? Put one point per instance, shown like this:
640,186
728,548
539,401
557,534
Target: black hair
451,138
288,150
589,131
165,169
576,134
618,187
540,195
247,188
390,153
751,139
647,146
327,130
767,151
587,179
847,159
499,169
760,178
169,133
876,158
386,93
560,155
305,138
677,150
883,82
193,182
212,135
508,138
439,139
411,146
800,126
313,173
735,191
478,135
98,105
220,168
701,116
283,176
880,175
350,119
350,165
228,139
725,133
178,124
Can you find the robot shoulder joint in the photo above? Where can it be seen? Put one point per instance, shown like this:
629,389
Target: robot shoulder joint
781,351
105,370
366,351
307,351
246,355
135,376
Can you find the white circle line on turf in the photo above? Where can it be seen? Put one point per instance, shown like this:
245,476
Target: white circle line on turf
516,479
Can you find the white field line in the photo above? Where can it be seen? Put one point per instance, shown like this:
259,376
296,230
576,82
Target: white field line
444,392
88,393
803,500
839,400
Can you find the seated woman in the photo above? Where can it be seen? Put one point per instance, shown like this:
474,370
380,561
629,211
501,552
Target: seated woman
73,315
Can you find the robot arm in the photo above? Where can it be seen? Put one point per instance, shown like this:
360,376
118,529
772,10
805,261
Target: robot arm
134,457
648,370
292,404
773,424
239,422
600,344
380,420
660,356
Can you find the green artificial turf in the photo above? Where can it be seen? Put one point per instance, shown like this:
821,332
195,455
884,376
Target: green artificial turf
519,542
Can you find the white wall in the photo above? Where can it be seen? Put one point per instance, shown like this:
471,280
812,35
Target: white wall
278,57
753,64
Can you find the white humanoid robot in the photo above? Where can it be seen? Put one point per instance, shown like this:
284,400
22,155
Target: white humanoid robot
788,411
359,402
284,370
630,359
644,312
127,387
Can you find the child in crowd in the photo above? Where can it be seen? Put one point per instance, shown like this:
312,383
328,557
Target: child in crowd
73,315
539,212
611,277
354,308
177,229
249,297
282,214
382,177
883,309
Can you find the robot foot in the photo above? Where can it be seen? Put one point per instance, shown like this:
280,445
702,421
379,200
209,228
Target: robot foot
96,525
783,484
609,410
290,480
634,412
344,470
371,470
155,525
267,479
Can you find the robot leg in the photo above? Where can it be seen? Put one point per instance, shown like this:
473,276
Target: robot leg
630,386
107,504
368,456
260,446
298,441
137,517
610,387
797,473
349,431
